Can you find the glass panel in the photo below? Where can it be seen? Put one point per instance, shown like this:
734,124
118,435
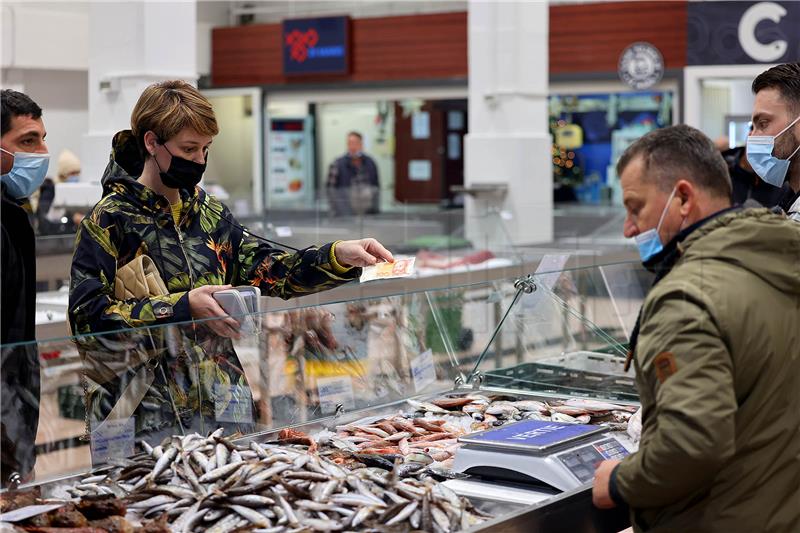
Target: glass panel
288,367
304,363
569,336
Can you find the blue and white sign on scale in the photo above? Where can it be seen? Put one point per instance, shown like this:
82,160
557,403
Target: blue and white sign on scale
534,435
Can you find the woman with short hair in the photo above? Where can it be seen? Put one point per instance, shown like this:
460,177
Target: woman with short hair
152,206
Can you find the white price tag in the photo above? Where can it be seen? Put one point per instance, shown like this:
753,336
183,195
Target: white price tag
233,403
113,439
423,370
334,391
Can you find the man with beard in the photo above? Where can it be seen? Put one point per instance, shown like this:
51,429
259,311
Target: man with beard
774,142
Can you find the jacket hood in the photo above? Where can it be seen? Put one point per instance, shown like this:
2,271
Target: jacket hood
765,243
122,173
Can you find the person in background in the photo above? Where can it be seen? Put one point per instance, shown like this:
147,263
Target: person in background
24,158
353,185
773,147
715,349
56,219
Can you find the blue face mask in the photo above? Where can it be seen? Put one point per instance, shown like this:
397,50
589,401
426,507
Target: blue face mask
649,242
759,154
26,175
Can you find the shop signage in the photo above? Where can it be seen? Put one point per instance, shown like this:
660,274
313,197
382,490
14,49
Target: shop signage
316,46
641,66
735,33
288,159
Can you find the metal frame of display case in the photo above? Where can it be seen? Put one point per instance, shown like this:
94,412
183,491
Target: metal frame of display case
569,511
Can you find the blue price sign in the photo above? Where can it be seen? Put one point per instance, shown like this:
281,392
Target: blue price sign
534,434
316,46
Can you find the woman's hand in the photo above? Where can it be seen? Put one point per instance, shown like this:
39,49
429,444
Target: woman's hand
361,253
203,306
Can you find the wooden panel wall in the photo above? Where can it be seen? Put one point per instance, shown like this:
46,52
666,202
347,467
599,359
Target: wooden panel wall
591,37
584,38
387,48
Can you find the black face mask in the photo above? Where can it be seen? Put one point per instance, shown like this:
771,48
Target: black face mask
182,173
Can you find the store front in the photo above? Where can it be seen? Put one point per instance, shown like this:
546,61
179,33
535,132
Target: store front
413,136
387,78
591,131
600,100
404,88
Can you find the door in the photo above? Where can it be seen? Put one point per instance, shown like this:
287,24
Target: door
453,131
418,155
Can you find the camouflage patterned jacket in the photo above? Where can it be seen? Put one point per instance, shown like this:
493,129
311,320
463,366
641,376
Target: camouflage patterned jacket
203,249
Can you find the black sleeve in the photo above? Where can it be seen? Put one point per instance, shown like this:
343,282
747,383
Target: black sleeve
47,193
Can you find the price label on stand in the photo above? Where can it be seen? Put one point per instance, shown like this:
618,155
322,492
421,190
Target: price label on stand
334,391
113,439
423,370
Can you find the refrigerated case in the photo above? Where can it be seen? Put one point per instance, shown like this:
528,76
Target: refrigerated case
555,334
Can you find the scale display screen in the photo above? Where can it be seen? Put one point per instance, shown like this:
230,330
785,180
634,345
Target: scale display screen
532,435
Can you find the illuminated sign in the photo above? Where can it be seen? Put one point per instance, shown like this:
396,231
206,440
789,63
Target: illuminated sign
316,46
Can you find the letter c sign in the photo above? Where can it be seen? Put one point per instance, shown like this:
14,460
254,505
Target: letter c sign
764,53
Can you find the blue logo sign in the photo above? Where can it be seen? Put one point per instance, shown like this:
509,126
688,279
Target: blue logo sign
316,46
535,433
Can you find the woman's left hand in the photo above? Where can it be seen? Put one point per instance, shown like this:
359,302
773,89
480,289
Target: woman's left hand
361,253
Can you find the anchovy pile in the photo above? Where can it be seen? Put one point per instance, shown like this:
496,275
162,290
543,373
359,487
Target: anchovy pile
212,484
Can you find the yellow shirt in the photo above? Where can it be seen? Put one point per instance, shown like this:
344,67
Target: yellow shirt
176,211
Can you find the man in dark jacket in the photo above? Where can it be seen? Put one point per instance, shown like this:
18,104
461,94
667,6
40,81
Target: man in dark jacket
773,148
715,349
24,166
353,186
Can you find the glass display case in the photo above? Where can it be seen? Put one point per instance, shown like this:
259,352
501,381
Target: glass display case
331,376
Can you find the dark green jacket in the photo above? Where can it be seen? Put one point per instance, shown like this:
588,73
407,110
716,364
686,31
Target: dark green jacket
205,248
718,371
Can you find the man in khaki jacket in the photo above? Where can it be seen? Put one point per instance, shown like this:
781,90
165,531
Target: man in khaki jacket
717,350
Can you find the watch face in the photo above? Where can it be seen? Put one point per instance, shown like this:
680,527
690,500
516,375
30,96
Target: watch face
641,66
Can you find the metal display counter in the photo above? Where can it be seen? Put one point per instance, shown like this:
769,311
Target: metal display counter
315,369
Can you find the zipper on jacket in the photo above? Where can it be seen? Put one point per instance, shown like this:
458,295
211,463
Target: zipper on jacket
185,256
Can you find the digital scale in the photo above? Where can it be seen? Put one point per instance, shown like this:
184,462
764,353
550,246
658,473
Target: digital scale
561,455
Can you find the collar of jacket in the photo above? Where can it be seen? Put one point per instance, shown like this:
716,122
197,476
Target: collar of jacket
661,263
121,175
788,198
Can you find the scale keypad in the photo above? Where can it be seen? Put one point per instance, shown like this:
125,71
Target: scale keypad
583,461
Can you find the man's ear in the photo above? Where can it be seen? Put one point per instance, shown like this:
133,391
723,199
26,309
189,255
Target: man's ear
686,192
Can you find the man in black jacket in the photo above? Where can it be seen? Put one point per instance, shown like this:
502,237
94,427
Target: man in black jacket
24,158
774,143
